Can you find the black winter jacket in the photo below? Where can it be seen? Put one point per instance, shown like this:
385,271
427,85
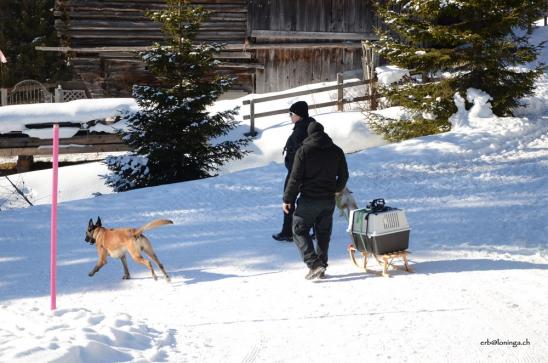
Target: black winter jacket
295,140
319,170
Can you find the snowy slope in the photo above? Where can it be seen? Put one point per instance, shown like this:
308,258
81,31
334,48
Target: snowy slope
476,199
348,129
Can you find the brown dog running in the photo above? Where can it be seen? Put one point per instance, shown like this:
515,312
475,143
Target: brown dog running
116,242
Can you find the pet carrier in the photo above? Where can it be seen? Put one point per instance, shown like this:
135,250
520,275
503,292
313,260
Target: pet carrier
379,229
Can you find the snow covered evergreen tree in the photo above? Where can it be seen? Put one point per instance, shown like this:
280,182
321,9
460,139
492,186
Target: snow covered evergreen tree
173,137
453,45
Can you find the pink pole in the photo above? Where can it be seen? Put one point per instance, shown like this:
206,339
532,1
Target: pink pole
54,189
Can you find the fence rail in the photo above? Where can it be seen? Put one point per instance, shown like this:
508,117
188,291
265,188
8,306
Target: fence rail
340,102
29,146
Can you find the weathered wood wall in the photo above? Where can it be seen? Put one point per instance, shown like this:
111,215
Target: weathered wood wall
101,33
272,44
124,23
352,16
297,59
293,67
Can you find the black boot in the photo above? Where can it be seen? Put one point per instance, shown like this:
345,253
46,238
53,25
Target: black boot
286,235
282,237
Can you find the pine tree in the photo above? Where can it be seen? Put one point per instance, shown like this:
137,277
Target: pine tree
173,137
25,24
452,45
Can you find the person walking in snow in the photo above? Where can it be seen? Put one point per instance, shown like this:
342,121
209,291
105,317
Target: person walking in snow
299,116
319,171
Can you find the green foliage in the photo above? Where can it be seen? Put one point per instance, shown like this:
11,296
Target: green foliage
25,24
452,45
399,130
428,100
173,137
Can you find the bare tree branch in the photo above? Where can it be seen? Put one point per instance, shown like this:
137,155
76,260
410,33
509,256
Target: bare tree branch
19,191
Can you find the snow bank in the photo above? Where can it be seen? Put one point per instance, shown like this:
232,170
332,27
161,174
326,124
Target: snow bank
389,74
82,335
479,115
14,118
348,130
74,183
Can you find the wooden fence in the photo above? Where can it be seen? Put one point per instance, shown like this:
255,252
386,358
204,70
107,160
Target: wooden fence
340,102
30,146
30,91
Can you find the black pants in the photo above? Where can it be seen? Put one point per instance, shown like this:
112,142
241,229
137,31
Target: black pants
288,217
317,214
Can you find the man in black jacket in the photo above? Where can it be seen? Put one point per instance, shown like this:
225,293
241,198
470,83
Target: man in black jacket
319,171
299,116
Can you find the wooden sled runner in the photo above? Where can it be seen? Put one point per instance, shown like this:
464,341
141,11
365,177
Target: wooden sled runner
386,260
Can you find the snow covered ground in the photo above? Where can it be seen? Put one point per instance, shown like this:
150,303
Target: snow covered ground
347,129
476,199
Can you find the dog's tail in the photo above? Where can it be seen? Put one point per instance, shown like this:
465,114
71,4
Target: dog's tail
150,225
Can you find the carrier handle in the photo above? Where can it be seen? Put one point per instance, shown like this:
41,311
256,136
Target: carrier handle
376,205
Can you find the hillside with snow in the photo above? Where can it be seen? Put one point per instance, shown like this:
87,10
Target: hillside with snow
346,128
477,202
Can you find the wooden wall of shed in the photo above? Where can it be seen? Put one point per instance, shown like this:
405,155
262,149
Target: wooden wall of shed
354,16
288,68
96,23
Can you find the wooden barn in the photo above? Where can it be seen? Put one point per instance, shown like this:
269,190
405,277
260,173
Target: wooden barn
271,45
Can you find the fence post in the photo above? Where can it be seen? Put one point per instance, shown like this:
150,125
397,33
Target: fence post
340,80
251,132
58,94
545,12
370,62
3,96
373,85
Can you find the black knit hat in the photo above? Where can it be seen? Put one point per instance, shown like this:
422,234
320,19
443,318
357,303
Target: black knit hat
299,108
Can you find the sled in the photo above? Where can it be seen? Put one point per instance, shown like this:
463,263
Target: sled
380,231
386,260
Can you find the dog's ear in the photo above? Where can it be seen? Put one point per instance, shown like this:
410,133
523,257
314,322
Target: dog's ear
90,223
98,224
